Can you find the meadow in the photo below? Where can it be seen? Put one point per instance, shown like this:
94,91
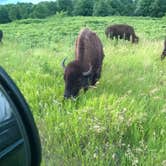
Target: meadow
122,121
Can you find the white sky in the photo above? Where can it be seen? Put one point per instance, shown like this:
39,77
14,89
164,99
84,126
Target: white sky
15,1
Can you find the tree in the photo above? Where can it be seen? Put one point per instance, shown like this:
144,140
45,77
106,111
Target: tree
158,8
102,8
117,6
4,17
142,8
83,7
128,7
24,9
52,6
40,11
65,5
13,12
154,8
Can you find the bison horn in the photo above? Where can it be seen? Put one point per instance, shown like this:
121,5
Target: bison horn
87,72
63,63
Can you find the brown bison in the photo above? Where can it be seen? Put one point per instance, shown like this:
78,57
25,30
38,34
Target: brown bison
86,68
163,55
121,31
1,35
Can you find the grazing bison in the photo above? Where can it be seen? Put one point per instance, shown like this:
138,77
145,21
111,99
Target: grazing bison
121,31
86,68
163,55
1,35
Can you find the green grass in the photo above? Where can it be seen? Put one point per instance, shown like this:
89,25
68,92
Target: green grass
122,121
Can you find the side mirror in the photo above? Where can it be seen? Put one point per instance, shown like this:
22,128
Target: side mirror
19,138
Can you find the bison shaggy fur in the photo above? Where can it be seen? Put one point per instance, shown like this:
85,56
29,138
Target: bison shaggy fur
85,70
163,55
121,31
1,35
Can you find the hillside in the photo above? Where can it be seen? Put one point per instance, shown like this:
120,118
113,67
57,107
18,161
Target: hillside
120,122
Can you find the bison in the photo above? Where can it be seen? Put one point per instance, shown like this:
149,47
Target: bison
163,55
121,31
1,35
85,70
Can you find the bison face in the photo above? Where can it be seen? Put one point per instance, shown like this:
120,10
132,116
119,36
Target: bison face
72,83
75,79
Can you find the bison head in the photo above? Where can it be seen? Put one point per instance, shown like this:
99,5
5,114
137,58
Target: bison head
75,78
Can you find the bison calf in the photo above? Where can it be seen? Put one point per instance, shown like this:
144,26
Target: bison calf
1,35
86,68
163,55
121,31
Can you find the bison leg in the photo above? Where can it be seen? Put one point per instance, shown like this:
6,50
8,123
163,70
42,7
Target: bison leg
120,36
96,77
85,89
111,35
127,37
116,37
94,80
133,39
85,83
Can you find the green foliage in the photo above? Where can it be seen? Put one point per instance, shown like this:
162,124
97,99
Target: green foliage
4,17
158,8
103,8
127,8
43,9
52,7
117,5
25,9
83,7
143,7
40,11
65,6
122,120
13,12
153,8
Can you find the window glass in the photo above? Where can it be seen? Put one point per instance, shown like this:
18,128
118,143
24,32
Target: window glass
5,107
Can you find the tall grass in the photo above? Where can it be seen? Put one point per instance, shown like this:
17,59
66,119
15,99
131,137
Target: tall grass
120,122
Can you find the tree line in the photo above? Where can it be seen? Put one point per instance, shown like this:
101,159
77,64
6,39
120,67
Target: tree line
152,8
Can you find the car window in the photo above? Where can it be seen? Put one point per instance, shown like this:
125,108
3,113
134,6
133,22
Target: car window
5,108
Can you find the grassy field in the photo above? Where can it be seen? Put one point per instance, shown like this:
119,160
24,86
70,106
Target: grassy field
122,121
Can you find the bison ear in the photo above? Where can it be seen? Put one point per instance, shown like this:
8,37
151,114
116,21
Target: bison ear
87,72
63,63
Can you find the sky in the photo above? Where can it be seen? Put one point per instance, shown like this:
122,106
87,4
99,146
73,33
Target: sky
15,1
